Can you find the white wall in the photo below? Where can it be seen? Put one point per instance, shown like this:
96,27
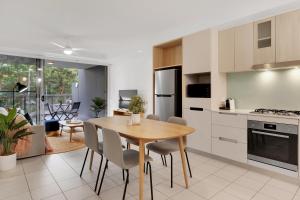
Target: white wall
131,72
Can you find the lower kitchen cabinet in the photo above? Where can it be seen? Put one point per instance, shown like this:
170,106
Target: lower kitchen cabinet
229,148
200,119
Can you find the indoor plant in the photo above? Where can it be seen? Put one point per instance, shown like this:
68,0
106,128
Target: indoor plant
10,132
98,105
136,106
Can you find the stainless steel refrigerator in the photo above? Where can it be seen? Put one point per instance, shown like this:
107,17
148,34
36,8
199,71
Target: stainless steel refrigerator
168,93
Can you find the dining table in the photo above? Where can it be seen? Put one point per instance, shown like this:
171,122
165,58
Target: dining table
147,131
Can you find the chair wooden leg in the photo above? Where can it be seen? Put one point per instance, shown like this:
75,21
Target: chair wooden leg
171,170
105,167
87,152
151,185
126,183
188,162
99,170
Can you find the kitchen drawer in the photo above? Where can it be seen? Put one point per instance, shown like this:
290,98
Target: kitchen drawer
196,102
229,149
238,134
229,119
201,121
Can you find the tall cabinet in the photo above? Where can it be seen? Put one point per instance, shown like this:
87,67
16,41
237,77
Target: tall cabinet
288,37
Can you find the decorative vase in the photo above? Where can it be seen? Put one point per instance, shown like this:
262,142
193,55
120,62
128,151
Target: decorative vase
136,118
8,162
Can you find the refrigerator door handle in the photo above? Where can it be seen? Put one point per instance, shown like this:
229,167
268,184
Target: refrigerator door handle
164,95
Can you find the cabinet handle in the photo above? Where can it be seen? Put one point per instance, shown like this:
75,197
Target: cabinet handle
222,113
196,109
228,140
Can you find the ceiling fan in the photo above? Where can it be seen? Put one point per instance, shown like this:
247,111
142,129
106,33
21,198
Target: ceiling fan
67,49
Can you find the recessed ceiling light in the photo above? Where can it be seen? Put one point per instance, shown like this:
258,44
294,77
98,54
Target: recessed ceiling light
24,79
68,51
39,80
40,69
50,63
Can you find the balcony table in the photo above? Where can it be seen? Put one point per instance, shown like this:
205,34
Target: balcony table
147,131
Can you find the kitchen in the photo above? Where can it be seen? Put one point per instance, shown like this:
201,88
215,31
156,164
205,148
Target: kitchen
240,90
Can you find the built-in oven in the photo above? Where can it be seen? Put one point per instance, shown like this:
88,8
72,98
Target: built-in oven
273,143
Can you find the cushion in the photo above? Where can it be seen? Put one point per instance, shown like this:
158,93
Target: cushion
3,111
51,125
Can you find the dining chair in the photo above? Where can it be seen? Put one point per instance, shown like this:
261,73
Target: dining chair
73,112
92,142
52,113
125,159
167,147
135,142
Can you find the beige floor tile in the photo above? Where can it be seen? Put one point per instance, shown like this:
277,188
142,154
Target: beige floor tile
205,189
240,191
22,196
276,193
224,196
71,183
56,197
13,186
231,173
156,195
186,194
260,196
283,185
45,191
38,180
249,183
114,193
79,193
165,188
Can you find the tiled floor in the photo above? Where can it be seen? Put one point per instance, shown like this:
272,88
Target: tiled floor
56,177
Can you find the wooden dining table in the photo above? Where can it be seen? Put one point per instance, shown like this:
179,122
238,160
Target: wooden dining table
147,131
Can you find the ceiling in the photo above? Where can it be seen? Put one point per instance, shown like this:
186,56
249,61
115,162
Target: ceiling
107,29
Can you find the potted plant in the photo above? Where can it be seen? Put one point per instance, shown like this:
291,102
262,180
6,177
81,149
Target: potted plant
136,106
98,105
10,133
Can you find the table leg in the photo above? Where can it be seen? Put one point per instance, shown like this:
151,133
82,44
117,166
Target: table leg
141,168
71,132
91,160
181,148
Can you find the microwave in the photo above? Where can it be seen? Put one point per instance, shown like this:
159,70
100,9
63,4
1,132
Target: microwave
198,90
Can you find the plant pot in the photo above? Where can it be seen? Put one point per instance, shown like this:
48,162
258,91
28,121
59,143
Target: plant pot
136,118
8,162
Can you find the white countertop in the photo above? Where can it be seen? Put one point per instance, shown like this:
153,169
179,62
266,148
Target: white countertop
248,112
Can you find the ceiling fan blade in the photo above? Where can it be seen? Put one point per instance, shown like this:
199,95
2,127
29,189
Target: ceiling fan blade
78,49
54,43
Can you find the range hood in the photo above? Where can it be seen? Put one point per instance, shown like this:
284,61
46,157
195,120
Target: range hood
280,65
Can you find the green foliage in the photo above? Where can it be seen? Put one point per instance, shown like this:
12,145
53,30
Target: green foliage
98,105
59,80
136,105
11,132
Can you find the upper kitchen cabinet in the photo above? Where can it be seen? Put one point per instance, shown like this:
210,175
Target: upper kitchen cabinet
288,37
264,41
243,48
196,51
226,50
168,54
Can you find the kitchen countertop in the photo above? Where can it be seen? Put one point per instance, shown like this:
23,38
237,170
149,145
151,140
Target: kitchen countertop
248,112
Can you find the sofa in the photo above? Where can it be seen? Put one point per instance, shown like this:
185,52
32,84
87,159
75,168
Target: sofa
38,142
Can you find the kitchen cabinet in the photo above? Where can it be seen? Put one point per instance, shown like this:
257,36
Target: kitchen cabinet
196,52
243,51
200,119
264,41
226,50
229,136
288,37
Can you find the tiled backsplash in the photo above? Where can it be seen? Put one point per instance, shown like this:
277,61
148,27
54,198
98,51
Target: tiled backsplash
278,89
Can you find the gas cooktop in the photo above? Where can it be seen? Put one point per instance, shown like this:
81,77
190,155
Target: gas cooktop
276,112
